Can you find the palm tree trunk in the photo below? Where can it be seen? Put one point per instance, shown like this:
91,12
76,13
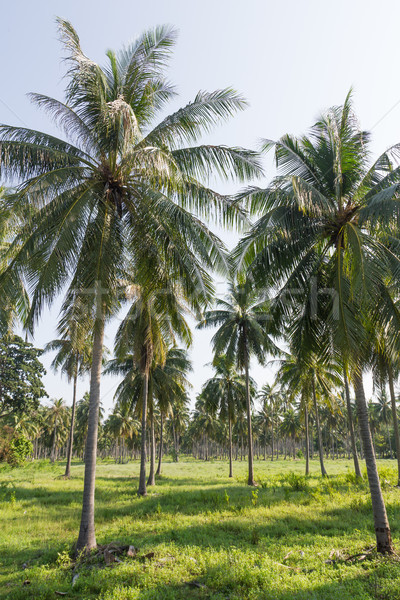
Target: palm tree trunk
320,447
87,536
53,448
142,491
389,440
307,439
160,452
351,427
395,422
382,528
152,480
71,431
272,436
230,446
265,443
250,480
176,457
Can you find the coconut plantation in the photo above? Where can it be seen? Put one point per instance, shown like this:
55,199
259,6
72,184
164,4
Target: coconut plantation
199,331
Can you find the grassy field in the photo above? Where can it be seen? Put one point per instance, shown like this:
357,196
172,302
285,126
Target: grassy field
212,537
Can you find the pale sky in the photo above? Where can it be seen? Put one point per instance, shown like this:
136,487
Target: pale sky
290,59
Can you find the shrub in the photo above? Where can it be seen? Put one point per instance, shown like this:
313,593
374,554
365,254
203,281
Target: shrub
297,483
20,449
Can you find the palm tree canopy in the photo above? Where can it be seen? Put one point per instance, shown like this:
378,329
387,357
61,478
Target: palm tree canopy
168,382
242,319
119,184
225,392
326,238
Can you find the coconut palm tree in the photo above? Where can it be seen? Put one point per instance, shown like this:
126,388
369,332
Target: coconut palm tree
290,427
82,420
145,334
271,400
57,416
177,422
204,424
121,186
326,241
167,384
384,367
383,411
225,394
73,358
170,387
242,319
122,425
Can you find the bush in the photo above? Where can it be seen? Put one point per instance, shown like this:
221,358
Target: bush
297,483
20,449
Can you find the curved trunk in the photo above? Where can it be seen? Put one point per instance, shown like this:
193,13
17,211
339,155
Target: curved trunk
142,491
87,536
230,446
71,432
307,439
250,480
351,427
152,480
395,422
382,528
320,447
160,454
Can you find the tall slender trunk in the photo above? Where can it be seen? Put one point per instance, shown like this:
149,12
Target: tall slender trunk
142,491
265,443
87,536
382,528
176,457
389,440
312,441
53,448
320,447
161,449
395,421
71,430
307,438
351,426
272,436
230,445
250,480
152,480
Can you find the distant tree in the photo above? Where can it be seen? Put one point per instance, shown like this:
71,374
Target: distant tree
225,394
82,420
241,320
21,372
271,403
57,422
73,358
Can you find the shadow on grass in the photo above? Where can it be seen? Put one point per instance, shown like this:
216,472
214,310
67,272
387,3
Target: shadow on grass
361,587
222,581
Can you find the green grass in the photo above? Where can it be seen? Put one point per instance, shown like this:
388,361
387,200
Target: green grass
203,528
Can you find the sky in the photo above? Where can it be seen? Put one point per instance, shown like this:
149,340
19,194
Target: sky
291,60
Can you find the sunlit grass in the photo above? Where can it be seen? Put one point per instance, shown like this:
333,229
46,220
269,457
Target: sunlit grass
227,539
